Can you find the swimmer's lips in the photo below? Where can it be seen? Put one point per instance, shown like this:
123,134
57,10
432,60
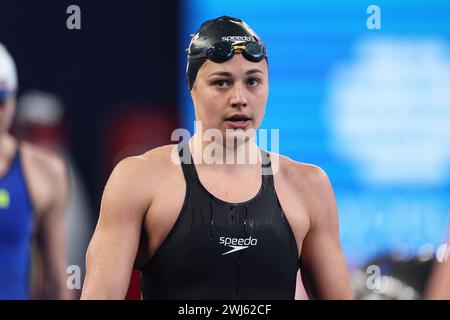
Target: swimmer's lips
238,121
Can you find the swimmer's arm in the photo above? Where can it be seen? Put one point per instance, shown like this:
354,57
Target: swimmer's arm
438,284
51,233
324,270
113,247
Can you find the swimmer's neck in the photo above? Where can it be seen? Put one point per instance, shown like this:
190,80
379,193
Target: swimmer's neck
220,156
7,145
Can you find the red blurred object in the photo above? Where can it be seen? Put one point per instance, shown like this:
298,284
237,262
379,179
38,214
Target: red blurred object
134,290
137,129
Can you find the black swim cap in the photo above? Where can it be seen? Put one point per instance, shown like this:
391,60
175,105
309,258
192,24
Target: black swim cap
208,42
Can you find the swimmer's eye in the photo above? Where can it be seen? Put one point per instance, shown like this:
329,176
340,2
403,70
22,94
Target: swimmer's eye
221,83
253,82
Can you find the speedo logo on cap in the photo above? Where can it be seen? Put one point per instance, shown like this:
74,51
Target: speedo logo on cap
237,244
236,38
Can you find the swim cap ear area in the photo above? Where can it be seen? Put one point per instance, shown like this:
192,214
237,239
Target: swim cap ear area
217,39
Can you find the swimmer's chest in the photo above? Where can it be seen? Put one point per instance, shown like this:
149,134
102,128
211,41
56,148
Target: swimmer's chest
224,214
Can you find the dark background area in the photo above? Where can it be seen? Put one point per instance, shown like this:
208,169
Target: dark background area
124,55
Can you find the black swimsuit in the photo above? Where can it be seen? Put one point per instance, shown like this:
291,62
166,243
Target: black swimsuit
222,250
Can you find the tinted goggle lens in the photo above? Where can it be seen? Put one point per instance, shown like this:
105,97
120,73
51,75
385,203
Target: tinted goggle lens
220,52
254,51
3,97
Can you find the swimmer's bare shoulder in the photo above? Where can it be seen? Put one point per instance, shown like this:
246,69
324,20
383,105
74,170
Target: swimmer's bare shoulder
47,178
126,198
305,181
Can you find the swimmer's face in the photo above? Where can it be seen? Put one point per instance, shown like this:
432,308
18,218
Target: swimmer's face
231,95
7,108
